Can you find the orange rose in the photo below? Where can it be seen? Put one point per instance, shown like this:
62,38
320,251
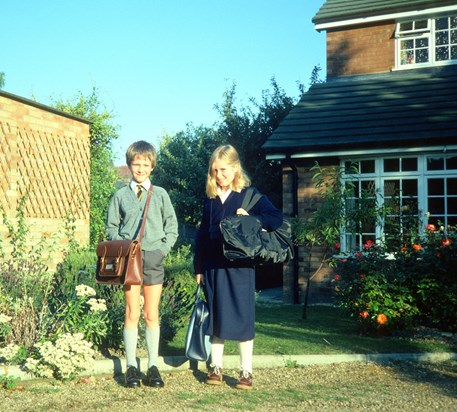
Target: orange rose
381,319
446,242
337,277
417,247
364,314
431,227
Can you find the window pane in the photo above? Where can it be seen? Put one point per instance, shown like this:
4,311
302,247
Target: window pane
391,165
454,52
369,186
451,186
407,44
422,56
435,187
369,227
420,24
406,26
367,166
441,24
453,36
436,220
410,187
410,206
453,22
442,38
442,53
452,220
452,206
391,187
421,43
435,163
409,164
436,205
451,163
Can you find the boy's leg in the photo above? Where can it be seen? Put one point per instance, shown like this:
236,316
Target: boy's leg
152,295
132,316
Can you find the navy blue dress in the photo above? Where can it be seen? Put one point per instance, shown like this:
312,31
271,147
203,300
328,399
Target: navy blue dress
230,287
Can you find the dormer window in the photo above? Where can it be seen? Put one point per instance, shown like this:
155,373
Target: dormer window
426,42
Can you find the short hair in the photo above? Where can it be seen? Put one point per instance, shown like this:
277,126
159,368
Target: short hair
141,148
229,155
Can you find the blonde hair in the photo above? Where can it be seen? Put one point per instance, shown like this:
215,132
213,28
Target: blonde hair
141,148
229,155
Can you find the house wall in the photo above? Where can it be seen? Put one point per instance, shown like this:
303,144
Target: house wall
361,50
44,156
309,261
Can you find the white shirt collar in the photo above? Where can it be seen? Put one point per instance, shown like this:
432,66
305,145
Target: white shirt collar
146,185
223,196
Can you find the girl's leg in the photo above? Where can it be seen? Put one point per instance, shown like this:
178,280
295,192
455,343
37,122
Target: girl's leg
215,370
217,351
246,350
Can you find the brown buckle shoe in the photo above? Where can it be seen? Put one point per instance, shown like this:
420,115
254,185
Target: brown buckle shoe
214,375
245,381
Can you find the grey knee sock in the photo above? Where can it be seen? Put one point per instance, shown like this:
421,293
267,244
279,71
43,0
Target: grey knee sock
152,344
130,342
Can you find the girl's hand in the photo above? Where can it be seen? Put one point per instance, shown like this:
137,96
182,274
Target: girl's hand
241,211
200,278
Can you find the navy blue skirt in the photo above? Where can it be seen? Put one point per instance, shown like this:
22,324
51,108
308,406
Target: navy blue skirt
231,298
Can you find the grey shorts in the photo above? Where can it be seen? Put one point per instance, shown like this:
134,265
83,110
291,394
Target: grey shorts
152,267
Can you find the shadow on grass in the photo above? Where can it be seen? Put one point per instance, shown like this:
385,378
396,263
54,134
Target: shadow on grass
328,330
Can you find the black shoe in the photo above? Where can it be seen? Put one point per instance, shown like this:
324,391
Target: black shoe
132,377
153,378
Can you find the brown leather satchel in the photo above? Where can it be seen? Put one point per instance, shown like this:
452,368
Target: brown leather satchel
120,262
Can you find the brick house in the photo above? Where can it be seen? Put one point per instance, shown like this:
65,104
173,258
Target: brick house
45,156
388,107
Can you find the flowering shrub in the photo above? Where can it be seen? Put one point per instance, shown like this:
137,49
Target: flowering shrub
62,358
416,284
83,312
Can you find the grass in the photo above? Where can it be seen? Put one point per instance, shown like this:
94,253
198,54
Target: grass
280,330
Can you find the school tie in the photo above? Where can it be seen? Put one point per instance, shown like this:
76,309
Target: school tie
139,192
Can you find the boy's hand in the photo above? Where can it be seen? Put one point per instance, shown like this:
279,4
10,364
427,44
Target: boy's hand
200,278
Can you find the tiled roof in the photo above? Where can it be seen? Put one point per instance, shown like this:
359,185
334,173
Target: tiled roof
404,108
337,10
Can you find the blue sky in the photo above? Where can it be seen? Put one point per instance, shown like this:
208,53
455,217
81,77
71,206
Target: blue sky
157,64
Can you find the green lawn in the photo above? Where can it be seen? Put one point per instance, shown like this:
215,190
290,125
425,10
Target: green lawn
280,330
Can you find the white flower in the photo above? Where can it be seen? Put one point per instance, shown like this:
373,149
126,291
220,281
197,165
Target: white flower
4,318
84,290
97,305
64,359
9,351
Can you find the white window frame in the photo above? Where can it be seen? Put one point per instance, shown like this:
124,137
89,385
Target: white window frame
379,176
427,33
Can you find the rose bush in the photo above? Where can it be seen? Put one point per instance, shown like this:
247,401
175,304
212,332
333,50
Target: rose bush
415,285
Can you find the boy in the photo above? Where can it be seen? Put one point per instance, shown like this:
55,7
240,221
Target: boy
160,234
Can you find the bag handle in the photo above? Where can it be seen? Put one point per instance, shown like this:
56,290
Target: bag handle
250,199
145,214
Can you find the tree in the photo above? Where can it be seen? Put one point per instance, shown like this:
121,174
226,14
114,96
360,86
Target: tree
182,169
248,128
2,80
102,172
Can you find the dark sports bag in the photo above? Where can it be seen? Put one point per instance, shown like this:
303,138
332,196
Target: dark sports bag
244,240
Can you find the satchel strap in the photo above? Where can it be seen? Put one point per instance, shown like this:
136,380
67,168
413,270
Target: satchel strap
250,199
145,214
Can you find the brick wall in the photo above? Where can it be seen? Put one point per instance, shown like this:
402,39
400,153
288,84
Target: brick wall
45,156
361,50
309,260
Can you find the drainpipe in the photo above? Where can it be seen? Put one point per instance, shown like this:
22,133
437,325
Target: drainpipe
294,173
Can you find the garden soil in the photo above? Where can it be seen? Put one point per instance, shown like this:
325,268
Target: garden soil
355,386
